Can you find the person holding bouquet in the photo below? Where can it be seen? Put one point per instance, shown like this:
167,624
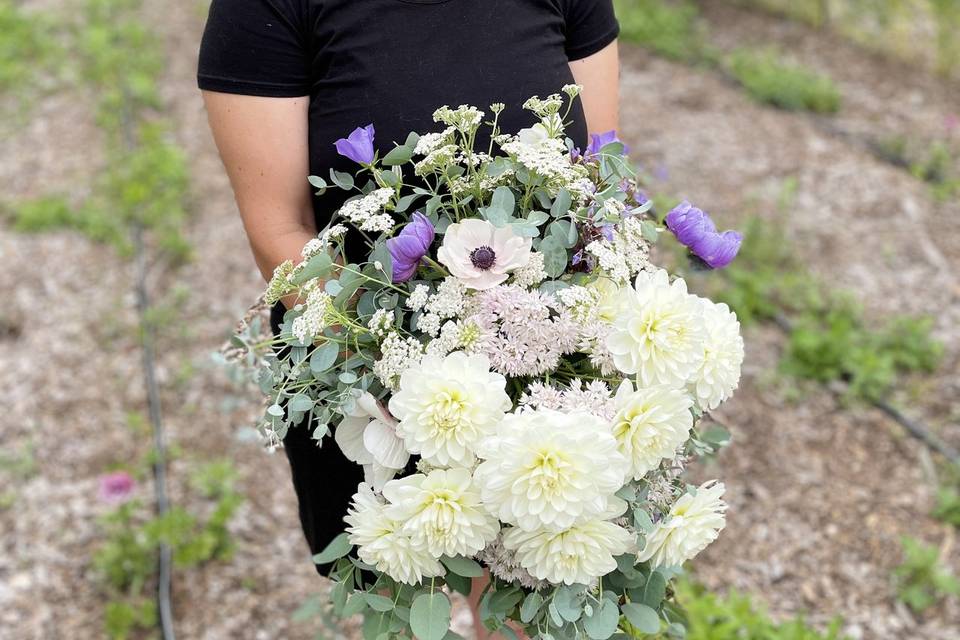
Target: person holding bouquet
284,80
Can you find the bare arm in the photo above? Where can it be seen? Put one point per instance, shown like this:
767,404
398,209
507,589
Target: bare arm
599,75
264,148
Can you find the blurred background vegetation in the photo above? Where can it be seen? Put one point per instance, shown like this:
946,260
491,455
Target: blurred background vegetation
827,130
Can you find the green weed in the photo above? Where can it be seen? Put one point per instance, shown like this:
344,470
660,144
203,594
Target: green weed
670,29
29,49
921,579
769,79
709,616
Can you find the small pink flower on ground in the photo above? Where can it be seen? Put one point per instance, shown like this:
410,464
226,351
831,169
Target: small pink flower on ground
116,488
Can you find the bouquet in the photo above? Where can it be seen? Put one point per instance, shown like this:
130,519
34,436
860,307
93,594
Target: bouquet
520,383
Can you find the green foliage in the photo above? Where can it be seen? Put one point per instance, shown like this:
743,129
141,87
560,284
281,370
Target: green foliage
769,79
670,29
126,560
834,343
121,59
921,579
122,617
735,617
29,48
947,508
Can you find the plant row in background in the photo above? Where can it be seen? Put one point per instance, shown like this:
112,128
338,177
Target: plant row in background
141,184
144,178
676,30
900,27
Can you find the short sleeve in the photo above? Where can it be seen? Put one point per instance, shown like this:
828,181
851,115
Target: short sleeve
590,26
255,47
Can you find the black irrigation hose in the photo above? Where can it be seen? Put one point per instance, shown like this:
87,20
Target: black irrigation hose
165,556
913,427
159,442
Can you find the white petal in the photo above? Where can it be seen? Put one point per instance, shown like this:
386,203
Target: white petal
383,444
349,437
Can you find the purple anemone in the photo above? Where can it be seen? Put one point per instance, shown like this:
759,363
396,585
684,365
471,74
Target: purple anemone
695,230
598,140
409,246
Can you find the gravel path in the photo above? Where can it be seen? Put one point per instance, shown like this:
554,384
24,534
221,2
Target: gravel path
820,495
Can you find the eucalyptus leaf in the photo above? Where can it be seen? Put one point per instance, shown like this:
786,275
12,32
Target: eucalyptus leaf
642,617
654,590
561,204
341,179
503,199
531,605
338,547
324,357
319,183
378,602
355,604
300,402
430,616
462,566
398,155
568,604
554,257
603,621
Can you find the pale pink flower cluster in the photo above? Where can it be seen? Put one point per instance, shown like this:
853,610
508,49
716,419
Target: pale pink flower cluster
593,397
523,333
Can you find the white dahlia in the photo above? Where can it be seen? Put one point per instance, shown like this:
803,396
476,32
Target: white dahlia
694,521
719,374
577,555
442,511
481,255
650,424
547,470
381,542
368,436
658,331
447,405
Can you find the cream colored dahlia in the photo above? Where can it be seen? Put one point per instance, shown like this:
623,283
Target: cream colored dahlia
447,405
694,521
481,255
658,333
381,542
442,511
650,424
545,469
577,555
368,436
719,374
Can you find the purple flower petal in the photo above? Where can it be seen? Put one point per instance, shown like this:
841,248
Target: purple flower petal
598,140
358,146
410,245
695,230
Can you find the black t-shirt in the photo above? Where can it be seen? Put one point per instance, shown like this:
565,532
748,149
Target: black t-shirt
393,62
390,63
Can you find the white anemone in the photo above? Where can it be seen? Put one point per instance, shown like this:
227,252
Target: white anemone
577,555
442,511
481,255
694,521
658,332
447,405
719,374
382,543
545,469
368,436
650,424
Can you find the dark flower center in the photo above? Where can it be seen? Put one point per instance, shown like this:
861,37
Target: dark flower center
483,257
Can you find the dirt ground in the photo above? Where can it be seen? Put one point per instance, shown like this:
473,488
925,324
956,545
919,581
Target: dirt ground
820,494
